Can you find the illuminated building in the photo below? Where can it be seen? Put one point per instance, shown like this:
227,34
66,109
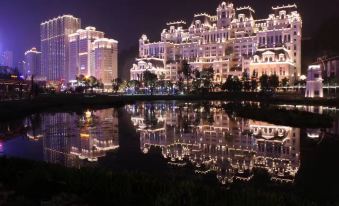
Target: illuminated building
6,59
314,85
105,59
213,141
55,46
33,63
80,48
232,42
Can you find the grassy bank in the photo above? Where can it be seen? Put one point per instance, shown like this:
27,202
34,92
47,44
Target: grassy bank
32,183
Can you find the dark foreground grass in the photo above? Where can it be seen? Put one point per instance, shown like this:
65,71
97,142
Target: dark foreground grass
35,183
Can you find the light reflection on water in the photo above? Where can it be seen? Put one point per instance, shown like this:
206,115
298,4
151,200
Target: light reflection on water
213,141
199,134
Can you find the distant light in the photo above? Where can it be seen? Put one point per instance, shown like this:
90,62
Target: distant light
302,77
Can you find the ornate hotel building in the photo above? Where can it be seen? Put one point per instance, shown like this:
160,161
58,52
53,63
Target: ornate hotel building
232,42
54,46
91,54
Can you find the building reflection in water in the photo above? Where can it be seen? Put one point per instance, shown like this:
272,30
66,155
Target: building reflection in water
215,141
70,138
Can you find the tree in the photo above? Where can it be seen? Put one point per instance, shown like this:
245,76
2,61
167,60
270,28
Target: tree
232,84
207,77
284,82
186,70
273,82
264,83
116,84
254,84
123,86
246,81
150,80
134,84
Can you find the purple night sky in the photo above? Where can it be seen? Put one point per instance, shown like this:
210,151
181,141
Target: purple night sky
126,20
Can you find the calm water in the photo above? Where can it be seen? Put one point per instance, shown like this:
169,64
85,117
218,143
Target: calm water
169,136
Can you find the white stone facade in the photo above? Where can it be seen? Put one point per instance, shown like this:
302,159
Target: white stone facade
314,85
232,42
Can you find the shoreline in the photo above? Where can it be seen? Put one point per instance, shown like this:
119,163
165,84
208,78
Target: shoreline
20,108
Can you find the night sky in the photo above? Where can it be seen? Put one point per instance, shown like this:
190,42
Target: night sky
126,20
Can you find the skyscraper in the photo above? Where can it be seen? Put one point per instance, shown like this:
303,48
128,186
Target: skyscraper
55,46
33,63
105,55
80,47
6,59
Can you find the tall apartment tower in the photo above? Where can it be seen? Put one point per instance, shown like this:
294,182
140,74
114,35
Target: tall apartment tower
80,47
55,46
33,63
105,59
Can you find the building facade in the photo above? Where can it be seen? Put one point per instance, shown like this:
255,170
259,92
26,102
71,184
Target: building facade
32,63
314,85
54,46
91,54
80,48
105,59
232,42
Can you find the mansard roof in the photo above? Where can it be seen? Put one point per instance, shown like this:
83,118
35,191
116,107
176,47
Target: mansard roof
203,18
276,52
288,8
154,61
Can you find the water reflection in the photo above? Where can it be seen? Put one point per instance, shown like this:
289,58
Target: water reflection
200,134
214,141
69,139
318,134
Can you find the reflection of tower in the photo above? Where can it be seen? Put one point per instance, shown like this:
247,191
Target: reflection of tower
70,138
314,86
59,129
33,123
98,134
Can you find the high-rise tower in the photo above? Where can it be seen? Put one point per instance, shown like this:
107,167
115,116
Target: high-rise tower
55,46
80,46
33,63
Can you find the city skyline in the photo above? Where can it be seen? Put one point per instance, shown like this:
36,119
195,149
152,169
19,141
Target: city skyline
113,17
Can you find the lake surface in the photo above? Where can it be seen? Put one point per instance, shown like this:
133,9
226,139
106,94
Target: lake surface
198,137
